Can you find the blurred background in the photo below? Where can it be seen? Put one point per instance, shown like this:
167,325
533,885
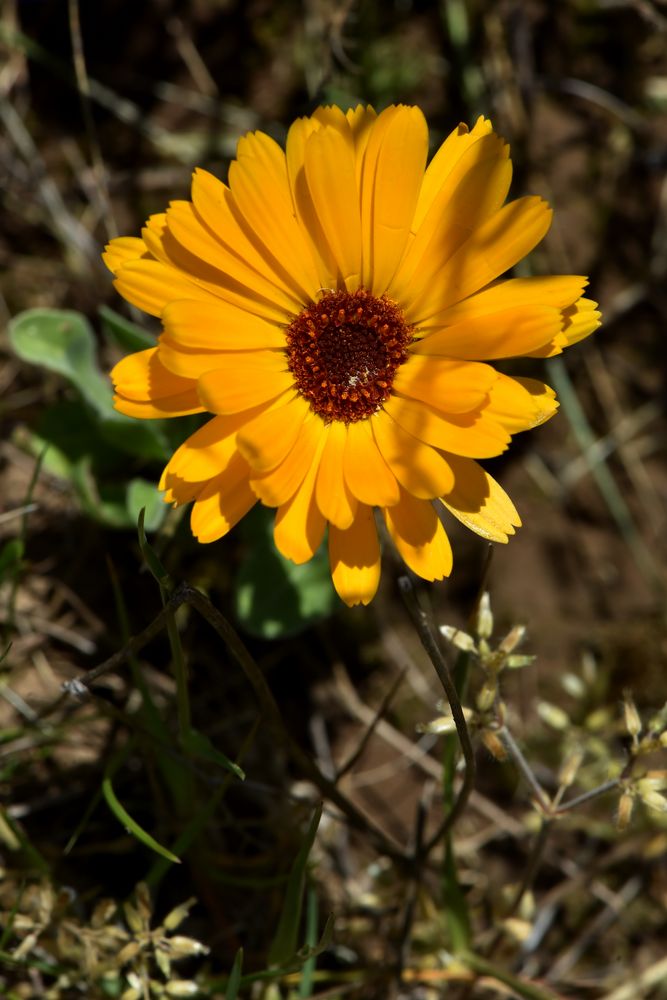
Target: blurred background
105,109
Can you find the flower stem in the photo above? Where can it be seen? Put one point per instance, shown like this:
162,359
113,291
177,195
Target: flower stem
430,644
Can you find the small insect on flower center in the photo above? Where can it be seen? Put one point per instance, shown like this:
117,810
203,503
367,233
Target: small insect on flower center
343,352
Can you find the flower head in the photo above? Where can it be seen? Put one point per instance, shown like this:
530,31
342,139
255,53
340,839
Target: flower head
335,307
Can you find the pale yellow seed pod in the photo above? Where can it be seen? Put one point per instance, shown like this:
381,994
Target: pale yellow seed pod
494,745
487,695
182,988
129,952
163,960
484,624
633,723
460,639
570,768
654,800
625,806
513,638
520,930
176,916
552,715
182,947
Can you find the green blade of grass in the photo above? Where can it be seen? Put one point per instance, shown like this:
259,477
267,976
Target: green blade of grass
199,745
232,990
130,824
308,971
284,944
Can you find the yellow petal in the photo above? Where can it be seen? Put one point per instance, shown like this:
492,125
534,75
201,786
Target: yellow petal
474,190
302,201
260,189
336,502
222,502
354,556
193,364
122,250
244,383
451,386
558,291
146,389
492,249
150,285
153,234
366,472
479,502
191,245
276,487
444,162
158,409
472,434
420,469
420,538
265,441
518,404
332,116
360,120
507,334
218,326
203,456
216,210
299,526
207,282
579,321
329,167
391,176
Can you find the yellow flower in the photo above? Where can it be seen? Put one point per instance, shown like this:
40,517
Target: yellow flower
334,307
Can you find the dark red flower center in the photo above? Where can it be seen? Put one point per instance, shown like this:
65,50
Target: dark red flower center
343,352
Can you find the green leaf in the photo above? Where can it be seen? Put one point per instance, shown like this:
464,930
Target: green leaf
63,342
145,439
130,824
232,990
141,494
199,745
11,557
155,567
284,944
105,505
274,597
124,332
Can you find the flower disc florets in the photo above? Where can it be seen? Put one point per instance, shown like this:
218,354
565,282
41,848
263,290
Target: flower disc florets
344,351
